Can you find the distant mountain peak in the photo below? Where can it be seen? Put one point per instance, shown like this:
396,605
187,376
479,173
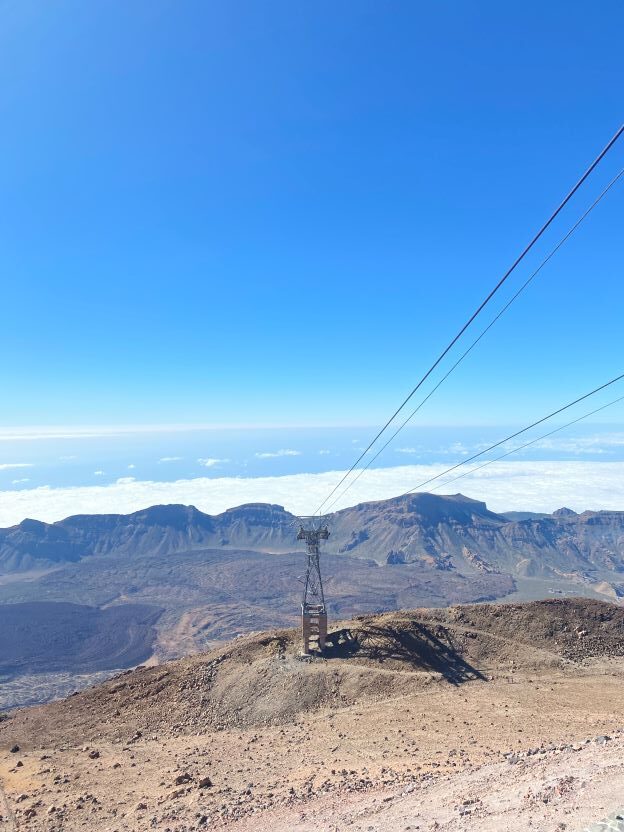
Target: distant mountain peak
266,507
29,525
565,512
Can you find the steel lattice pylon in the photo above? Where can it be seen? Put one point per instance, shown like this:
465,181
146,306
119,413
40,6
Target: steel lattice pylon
313,611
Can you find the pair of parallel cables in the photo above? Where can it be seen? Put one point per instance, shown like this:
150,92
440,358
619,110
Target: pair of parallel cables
463,329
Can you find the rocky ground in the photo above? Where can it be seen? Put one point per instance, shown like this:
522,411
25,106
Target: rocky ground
488,717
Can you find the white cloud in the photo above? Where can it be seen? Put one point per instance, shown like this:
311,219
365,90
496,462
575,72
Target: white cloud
457,448
281,452
67,458
505,486
406,450
131,467
210,462
601,443
17,482
39,432
98,473
11,434
170,459
6,466
124,480
324,452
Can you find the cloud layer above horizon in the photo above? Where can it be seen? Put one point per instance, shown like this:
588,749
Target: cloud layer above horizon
528,486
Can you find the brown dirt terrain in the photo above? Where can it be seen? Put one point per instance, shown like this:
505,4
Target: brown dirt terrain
410,709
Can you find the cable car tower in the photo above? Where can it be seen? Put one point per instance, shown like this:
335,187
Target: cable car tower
313,611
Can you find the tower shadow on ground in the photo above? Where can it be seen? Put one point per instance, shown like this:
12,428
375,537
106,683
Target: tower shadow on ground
417,647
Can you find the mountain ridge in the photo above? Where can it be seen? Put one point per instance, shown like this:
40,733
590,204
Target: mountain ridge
438,531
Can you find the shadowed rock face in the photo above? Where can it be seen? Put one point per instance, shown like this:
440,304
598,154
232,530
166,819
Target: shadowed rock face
442,532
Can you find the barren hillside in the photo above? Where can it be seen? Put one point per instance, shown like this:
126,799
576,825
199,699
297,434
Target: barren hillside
401,702
443,532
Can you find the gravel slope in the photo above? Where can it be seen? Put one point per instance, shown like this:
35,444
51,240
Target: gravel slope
431,708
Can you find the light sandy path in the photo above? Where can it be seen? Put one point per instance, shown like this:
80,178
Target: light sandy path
7,820
560,790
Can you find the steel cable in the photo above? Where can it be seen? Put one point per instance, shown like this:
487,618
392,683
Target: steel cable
480,308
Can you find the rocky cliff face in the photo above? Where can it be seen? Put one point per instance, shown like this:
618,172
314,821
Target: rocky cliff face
460,532
158,530
417,527
441,532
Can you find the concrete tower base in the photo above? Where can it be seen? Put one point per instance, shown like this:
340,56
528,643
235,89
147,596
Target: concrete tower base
314,630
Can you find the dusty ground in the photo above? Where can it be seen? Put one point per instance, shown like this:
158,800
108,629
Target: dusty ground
552,790
406,727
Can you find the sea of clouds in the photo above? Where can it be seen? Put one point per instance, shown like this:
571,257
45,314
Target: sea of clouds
504,486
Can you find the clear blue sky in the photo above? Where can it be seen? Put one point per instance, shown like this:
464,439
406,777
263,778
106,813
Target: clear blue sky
279,212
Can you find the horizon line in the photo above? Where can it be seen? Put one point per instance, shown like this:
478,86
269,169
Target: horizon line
43,432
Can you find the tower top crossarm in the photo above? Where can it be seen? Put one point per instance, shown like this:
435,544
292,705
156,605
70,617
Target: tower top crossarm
313,536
